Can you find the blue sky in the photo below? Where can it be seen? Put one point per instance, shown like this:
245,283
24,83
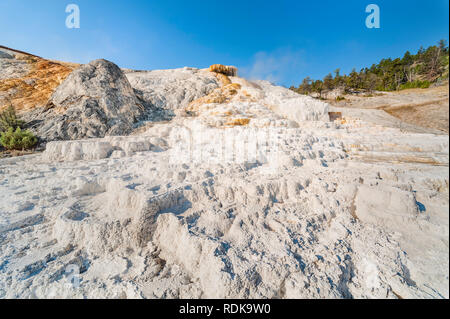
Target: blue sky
282,41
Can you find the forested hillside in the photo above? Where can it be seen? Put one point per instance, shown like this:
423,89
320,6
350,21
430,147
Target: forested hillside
418,70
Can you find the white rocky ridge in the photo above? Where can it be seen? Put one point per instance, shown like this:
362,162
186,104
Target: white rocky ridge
172,89
95,100
10,66
258,195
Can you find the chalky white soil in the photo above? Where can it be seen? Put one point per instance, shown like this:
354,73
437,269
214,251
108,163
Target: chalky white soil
288,205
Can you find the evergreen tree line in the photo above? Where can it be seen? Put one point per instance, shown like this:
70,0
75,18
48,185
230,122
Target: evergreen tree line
412,71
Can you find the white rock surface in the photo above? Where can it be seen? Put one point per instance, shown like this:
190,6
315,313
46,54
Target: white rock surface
172,89
288,206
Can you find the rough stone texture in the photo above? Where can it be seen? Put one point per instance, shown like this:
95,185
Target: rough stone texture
258,195
172,89
334,211
95,100
256,104
11,67
5,54
427,108
382,205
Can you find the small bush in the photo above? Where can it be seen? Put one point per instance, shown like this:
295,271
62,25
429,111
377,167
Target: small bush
17,139
340,98
416,85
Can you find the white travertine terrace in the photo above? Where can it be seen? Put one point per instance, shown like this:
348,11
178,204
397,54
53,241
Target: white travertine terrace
200,207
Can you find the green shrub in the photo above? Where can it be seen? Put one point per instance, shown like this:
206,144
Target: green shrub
17,139
8,118
340,98
415,84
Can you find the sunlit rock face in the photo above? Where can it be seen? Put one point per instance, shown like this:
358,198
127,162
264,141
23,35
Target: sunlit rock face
95,100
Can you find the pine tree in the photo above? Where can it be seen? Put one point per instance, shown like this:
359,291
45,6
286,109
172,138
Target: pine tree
412,70
328,82
8,118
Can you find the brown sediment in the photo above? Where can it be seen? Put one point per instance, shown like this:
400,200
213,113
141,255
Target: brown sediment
400,159
221,95
353,209
223,69
431,114
18,51
335,116
238,122
397,295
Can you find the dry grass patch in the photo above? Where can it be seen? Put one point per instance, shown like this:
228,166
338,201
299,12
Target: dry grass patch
335,116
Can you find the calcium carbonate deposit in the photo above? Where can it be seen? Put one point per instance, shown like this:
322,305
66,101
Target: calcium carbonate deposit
249,191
